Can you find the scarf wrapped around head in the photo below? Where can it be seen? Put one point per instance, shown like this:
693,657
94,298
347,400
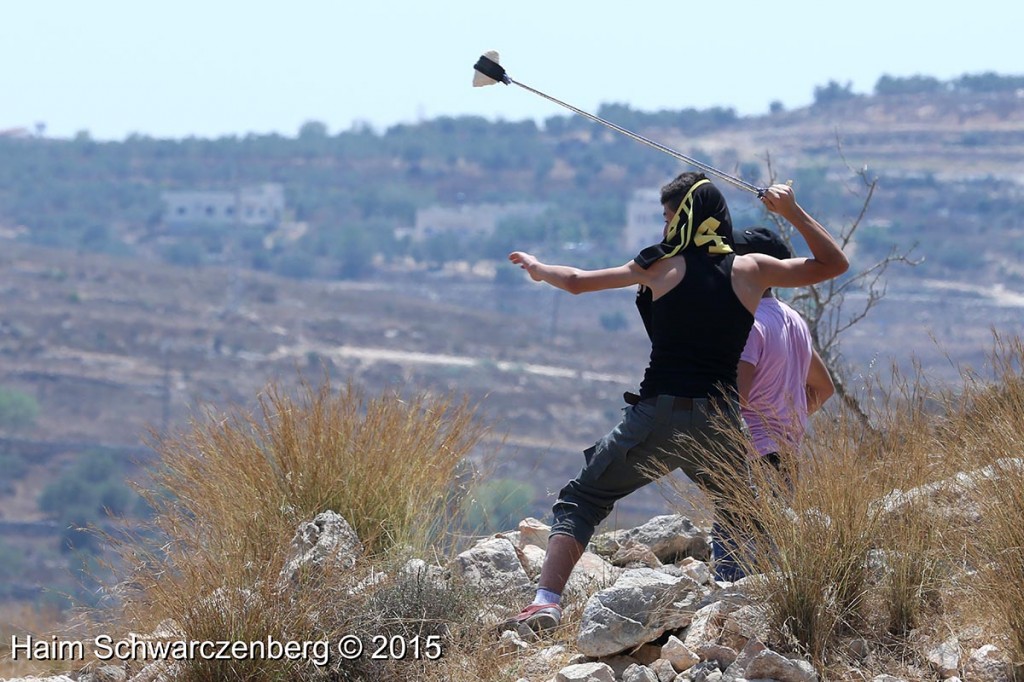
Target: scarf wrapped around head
701,222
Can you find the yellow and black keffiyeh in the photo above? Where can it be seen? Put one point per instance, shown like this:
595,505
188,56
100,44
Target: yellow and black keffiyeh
701,222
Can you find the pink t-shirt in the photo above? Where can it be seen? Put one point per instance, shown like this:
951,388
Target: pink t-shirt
779,348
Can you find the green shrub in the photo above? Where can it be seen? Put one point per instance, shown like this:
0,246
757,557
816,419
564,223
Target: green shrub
18,410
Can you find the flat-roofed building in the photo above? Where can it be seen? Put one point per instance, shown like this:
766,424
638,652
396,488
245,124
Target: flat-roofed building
250,205
644,220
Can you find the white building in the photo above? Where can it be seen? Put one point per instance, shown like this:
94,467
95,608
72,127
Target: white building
249,205
471,220
644,220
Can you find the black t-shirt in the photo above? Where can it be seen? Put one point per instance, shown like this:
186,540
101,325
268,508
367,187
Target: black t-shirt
698,331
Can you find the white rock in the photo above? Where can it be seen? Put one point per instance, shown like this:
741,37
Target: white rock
987,664
533,532
641,605
511,643
532,559
705,627
773,666
679,655
586,672
591,572
670,537
494,567
696,569
945,658
664,670
639,673
327,542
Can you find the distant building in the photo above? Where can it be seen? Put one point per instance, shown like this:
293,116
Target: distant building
17,133
472,220
251,205
644,220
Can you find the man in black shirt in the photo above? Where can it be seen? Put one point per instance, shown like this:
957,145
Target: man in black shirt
697,299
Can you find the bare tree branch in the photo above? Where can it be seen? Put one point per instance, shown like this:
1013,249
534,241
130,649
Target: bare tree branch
828,308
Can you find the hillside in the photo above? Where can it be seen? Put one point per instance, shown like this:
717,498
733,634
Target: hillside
113,340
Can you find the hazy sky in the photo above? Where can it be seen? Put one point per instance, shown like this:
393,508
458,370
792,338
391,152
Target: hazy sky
221,67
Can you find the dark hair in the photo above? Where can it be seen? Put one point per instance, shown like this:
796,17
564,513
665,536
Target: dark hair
673,193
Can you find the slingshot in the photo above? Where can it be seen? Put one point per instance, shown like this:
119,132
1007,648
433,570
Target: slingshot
488,72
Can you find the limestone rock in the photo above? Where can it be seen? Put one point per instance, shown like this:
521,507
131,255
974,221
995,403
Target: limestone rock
586,672
591,572
770,665
639,673
493,566
325,543
533,532
679,655
641,605
945,658
670,537
987,664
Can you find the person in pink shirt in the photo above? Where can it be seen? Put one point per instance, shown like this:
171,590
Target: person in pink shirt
781,379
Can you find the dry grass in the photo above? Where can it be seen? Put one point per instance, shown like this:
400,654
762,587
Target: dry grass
847,552
986,433
868,545
229,493
877,537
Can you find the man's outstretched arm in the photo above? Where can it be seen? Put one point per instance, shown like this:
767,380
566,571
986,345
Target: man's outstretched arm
577,281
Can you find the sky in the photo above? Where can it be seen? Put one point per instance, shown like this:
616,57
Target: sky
224,67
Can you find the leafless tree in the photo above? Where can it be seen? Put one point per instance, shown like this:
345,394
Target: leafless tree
828,307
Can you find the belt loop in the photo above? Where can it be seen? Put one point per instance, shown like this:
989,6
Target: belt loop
663,409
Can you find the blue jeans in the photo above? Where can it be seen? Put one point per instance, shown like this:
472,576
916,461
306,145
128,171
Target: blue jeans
647,440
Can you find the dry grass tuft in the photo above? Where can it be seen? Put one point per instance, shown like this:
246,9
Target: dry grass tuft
229,493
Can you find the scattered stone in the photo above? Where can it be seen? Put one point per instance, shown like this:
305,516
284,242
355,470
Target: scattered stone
591,572
945,658
696,569
671,537
533,532
722,655
679,655
493,566
705,627
586,672
639,673
987,664
773,666
703,670
511,643
641,605
552,652
620,663
737,670
664,670
326,543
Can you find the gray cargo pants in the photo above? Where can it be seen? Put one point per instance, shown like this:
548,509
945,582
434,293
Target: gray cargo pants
646,440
